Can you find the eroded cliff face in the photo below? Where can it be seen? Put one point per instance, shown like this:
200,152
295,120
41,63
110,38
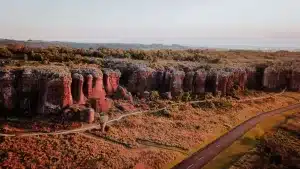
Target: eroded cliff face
49,89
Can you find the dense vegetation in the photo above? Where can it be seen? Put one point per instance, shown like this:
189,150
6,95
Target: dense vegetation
61,54
45,44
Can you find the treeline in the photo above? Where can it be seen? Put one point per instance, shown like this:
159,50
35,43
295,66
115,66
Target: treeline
61,54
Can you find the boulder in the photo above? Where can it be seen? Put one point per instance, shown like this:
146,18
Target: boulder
122,93
88,115
167,95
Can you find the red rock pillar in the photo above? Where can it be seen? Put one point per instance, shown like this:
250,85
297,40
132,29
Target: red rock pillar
242,80
77,88
176,82
28,87
66,94
212,81
141,81
42,96
222,84
158,78
59,91
101,104
144,81
294,83
270,78
199,83
230,84
166,86
88,86
111,81
251,78
189,81
7,90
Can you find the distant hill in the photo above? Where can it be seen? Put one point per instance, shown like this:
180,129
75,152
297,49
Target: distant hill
44,44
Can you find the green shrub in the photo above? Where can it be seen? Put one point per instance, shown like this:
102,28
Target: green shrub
154,95
186,97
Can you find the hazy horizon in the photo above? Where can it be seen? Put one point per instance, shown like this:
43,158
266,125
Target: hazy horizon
264,23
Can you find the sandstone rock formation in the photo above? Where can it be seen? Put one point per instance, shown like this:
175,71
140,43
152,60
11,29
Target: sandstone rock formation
199,82
294,83
111,80
49,89
7,89
176,82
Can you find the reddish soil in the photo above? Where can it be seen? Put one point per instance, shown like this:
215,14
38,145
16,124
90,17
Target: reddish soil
154,140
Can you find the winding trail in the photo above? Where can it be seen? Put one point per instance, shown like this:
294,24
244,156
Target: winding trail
203,156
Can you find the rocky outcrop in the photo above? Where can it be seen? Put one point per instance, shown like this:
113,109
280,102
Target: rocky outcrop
88,115
294,82
122,93
212,80
43,85
59,91
77,89
93,88
252,81
199,82
49,89
88,85
224,85
8,92
276,78
242,79
188,82
111,80
176,82
140,81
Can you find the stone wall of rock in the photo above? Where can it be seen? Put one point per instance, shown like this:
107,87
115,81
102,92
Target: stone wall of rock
281,77
48,89
294,84
30,89
225,81
45,90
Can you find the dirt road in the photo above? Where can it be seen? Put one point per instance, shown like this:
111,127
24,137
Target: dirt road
203,156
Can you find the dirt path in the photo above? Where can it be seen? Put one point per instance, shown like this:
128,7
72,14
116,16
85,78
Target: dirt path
203,156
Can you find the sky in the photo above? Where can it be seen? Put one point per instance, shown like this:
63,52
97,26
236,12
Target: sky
259,23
